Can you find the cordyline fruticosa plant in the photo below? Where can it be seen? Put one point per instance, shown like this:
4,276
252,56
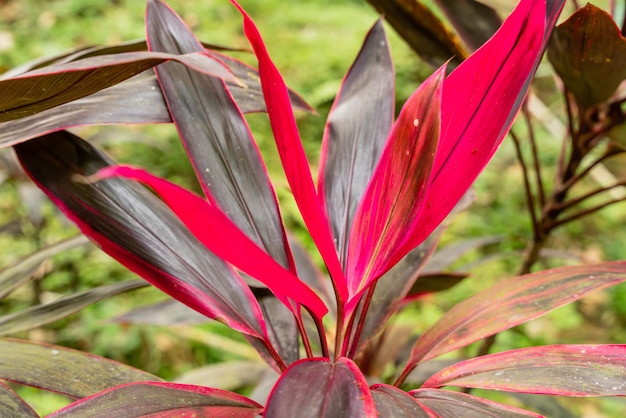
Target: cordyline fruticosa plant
384,187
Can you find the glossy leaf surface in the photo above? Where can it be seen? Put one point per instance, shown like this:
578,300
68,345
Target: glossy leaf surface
455,404
395,194
11,405
512,302
47,87
292,155
480,100
356,130
222,237
39,315
567,370
58,369
216,137
392,402
21,271
317,388
162,400
133,226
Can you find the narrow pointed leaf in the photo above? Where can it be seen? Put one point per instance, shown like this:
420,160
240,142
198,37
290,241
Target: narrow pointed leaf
218,141
512,302
137,100
566,370
317,388
39,315
392,402
292,155
47,87
133,226
22,270
11,405
58,369
455,404
220,235
161,400
480,100
355,133
395,194
474,21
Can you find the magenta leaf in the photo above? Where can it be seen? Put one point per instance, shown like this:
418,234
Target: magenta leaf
512,302
357,127
317,388
11,405
133,226
58,369
395,194
566,370
392,402
47,87
455,404
480,100
292,155
161,399
222,237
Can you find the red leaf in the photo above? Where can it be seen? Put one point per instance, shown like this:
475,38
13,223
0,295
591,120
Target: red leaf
222,237
512,302
161,400
292,155
566,370
394,196
480,100
455,404
318,388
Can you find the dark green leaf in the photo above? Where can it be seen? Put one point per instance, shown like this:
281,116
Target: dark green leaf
58,369
39,315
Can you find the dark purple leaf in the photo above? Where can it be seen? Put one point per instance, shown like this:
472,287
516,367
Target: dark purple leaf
11,405
356,130
455,404
392,402
474,21
512,302
22,270
133,226
58,369
161,400
39,315
444,257
567,370
317,388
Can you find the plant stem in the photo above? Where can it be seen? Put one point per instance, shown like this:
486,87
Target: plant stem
362,317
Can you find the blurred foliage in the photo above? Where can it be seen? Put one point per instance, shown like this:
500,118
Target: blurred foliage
313,43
